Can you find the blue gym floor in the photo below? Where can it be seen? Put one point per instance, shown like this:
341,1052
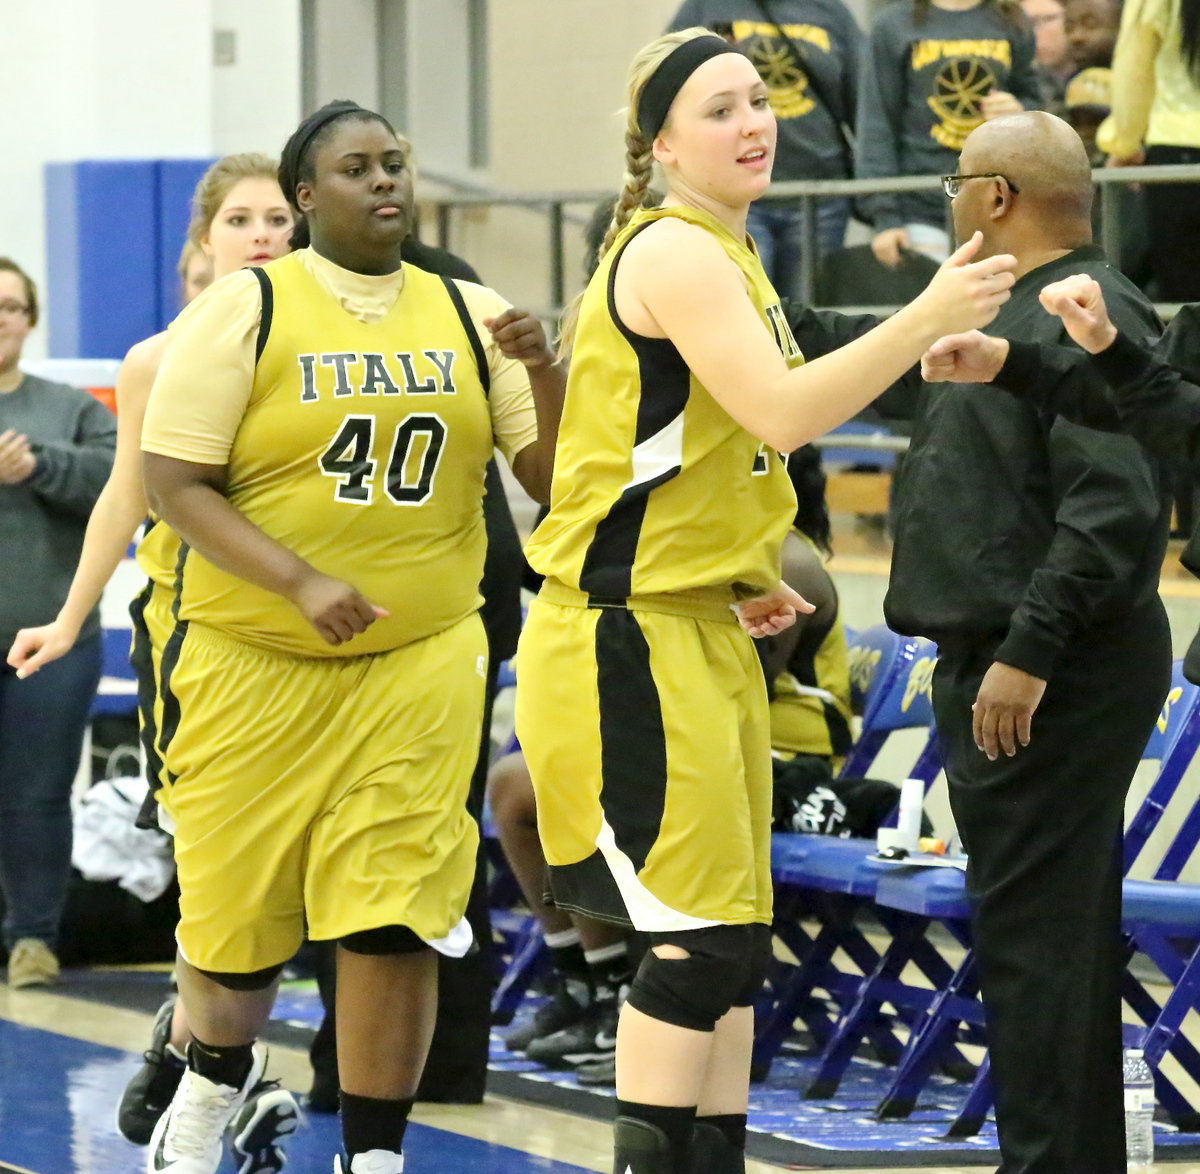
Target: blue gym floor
57,1098
58,1094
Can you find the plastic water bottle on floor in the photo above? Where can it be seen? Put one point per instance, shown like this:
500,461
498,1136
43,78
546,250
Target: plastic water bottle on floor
1139,1110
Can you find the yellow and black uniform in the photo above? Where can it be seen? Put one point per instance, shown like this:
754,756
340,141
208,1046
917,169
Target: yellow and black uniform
810,706
153,622
310,783
664,512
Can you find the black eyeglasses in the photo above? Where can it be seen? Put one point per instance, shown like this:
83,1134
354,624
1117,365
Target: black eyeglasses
952,184
12,309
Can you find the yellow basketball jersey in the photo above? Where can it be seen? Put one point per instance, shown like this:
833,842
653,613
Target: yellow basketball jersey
656,488
158,553
362,449
810,712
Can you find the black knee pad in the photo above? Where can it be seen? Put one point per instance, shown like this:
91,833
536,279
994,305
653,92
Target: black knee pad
758,960
724,962
387,939
257,980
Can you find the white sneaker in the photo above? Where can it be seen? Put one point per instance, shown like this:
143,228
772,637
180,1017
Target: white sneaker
372,1162
188,1136
261,1127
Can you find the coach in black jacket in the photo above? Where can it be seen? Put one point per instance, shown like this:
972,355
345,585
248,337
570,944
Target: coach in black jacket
1029,547
1119,385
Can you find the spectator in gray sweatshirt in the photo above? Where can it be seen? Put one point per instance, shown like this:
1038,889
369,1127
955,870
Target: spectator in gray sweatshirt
56,446
934,70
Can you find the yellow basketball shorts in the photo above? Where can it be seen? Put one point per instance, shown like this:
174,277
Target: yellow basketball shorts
646,735
327,792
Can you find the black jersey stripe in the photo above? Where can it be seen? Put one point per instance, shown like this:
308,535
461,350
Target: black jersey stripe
664,383
633,743
268,312
460,308
608,564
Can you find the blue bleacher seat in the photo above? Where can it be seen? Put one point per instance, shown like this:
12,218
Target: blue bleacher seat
117,693
833,879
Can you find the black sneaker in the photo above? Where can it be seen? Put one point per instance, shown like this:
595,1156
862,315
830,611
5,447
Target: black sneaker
564,1009
598,1073
260,1128
592,1038
149,1092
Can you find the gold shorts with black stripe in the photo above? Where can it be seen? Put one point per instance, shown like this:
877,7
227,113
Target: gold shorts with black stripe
653,782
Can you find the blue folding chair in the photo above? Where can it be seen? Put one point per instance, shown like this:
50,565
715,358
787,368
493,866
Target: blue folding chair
1161,919
117,692
833,879
939,895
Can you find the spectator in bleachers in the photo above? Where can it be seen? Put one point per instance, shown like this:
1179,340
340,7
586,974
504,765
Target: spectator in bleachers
1092,31
56,449
935,70
1156,120
1087,102
1052,58
807,53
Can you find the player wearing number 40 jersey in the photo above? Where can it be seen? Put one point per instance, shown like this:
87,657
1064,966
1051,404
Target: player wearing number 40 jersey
318,437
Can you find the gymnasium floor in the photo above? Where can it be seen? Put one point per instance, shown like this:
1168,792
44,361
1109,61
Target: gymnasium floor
63,1062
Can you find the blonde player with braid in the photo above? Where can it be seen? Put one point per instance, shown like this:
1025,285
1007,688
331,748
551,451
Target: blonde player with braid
661,551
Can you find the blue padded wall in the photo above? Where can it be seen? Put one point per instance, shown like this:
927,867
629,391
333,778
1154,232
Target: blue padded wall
101,231
177,179
114,229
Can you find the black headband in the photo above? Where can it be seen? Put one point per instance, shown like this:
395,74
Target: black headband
667,80
294,148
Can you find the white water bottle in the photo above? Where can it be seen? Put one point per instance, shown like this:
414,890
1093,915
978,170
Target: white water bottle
1139,1110
908,819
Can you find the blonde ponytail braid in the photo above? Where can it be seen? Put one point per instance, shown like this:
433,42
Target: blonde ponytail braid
639,162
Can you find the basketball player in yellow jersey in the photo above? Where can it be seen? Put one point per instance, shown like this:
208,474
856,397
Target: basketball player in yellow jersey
807,664
668,510
318,436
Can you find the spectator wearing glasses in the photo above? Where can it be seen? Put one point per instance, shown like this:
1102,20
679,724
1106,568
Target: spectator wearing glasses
1052,56
56,447
1029,548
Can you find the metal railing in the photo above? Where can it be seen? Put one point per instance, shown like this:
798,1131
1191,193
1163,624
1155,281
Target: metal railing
558,209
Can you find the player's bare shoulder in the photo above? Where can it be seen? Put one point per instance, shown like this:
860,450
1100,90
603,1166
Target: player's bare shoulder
669,238
140,366
674,254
